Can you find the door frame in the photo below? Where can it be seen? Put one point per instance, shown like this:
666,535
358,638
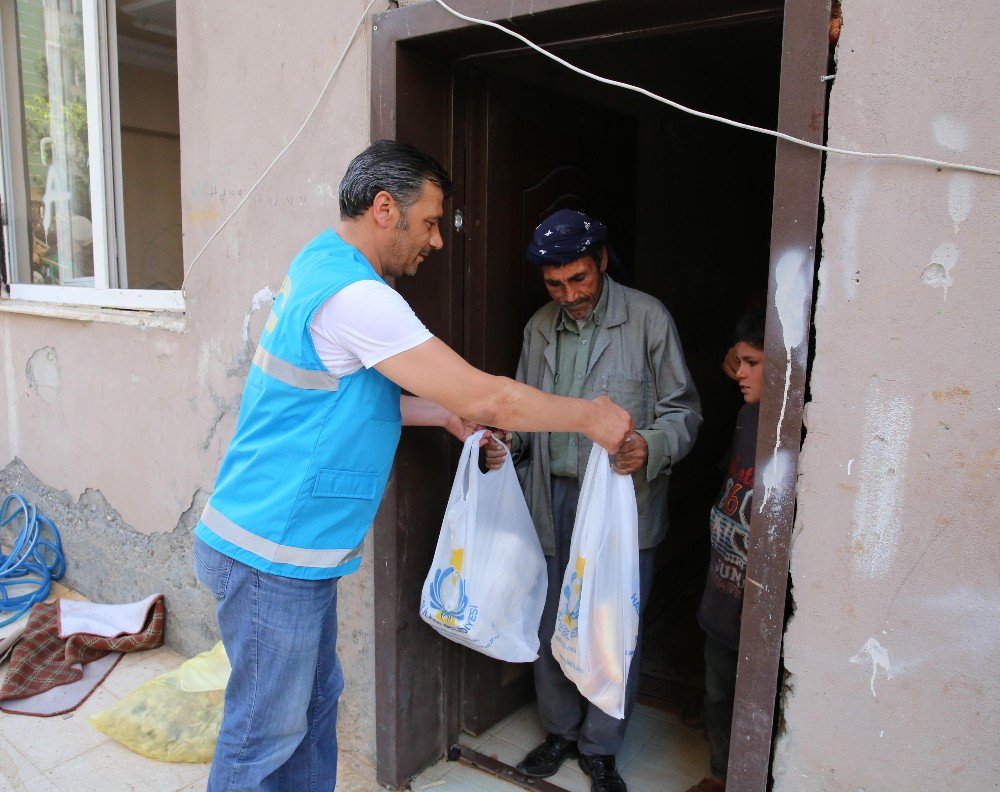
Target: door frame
411,52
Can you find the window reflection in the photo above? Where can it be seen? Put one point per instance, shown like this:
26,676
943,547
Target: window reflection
54,90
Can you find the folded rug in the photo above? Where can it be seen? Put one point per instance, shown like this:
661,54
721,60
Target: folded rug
68,648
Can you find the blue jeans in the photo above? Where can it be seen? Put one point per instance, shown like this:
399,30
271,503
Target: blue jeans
279,726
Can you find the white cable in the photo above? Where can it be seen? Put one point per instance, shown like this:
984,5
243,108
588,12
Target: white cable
710,116
267,170
585,73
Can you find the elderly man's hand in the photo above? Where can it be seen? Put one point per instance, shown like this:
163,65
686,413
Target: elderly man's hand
632,454
497,449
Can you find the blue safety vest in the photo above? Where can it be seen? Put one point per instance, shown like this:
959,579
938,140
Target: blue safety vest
307,467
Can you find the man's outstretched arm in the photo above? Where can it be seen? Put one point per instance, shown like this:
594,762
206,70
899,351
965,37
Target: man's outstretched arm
417,411
434,371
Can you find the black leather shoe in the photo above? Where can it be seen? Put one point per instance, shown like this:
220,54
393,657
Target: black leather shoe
547,758
603,773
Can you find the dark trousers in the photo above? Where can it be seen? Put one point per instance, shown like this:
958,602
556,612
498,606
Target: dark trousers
561,708
720,690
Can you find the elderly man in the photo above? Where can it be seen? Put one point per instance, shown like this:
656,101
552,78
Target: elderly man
596,337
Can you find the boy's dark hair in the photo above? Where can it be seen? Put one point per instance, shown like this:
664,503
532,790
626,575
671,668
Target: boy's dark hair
397,168
750,329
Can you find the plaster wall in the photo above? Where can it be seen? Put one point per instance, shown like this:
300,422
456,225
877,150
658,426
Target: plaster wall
894,643
131,422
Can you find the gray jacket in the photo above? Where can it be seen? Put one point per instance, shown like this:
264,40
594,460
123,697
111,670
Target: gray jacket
636,360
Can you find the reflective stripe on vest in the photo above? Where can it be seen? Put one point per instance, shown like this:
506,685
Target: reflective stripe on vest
283,371
226,529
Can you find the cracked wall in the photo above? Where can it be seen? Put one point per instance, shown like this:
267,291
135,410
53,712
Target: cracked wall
894,642
110,561
118,430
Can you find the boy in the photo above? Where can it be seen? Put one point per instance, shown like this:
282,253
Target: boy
719,614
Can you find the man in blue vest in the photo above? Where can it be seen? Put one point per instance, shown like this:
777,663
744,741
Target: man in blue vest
305,471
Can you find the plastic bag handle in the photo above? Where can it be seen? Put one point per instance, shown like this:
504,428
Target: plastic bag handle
468,472
465,478
469,463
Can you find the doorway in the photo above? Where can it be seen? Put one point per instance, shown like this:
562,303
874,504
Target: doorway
689,209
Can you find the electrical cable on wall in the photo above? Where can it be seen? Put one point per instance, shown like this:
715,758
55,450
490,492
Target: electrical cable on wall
711,117
267,170
598,78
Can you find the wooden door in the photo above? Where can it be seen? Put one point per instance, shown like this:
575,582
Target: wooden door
527,152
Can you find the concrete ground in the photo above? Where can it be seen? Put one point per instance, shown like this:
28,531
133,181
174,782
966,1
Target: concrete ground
65,753
659,755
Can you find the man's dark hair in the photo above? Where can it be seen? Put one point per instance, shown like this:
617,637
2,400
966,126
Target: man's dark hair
750,329
397,168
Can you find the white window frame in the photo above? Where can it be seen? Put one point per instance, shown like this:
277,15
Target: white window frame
110,273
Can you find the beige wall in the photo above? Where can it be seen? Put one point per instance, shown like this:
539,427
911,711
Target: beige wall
144,415
894,647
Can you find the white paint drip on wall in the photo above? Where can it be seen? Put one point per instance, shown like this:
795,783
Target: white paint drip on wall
323,192
13,426
938,272
961,196
856,207
849,463
877,655
265,295
882,472
950,132
793,279
983,605
973,623
43,374
208,357
164,348
777,475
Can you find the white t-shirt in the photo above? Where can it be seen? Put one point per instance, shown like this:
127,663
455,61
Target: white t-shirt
362,325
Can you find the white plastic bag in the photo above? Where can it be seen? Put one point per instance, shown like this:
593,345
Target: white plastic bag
486,586
597,622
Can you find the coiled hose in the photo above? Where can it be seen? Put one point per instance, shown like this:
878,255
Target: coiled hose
35,559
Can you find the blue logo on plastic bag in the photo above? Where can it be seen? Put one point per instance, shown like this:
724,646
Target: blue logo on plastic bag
448,597
569,616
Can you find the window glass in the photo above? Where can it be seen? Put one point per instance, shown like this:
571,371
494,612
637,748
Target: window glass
150,143
91,151
54,95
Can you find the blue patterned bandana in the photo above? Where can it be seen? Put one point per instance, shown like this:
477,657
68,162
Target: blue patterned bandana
563,236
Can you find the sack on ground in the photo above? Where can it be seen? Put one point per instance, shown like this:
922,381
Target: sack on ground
176,716
597,621
486,586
